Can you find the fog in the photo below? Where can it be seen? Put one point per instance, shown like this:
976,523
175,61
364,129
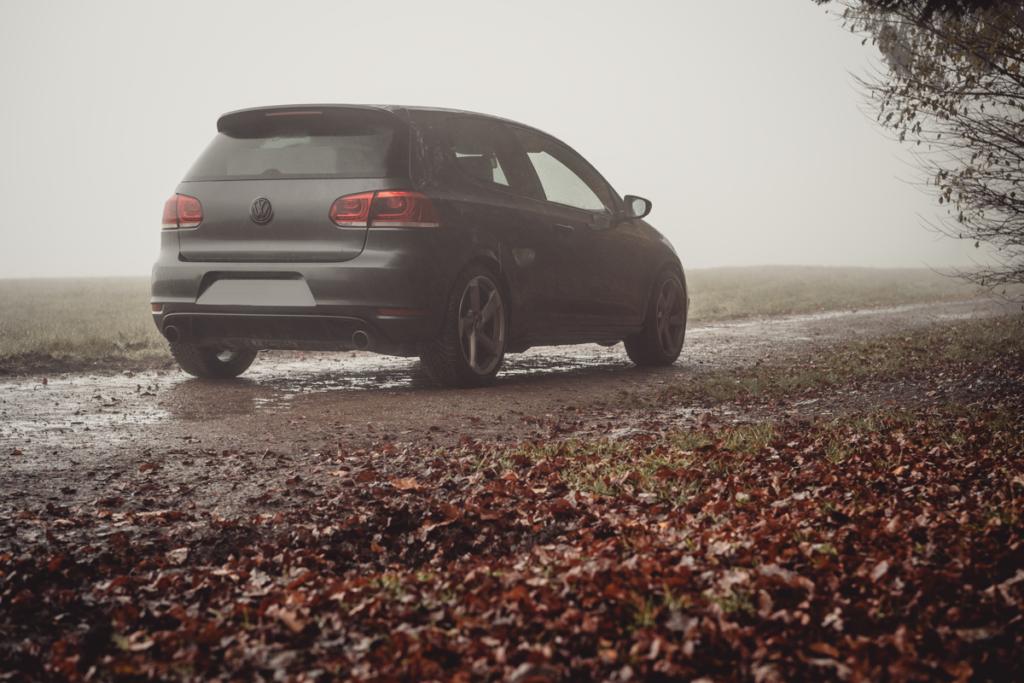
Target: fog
739,120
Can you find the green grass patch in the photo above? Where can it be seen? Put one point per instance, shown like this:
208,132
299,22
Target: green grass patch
78,318
668,468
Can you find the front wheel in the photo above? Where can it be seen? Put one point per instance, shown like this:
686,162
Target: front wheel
471,347
661,340
210,362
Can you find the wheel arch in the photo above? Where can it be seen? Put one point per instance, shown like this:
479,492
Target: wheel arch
487,258
676,267
445,357
661,340
490,260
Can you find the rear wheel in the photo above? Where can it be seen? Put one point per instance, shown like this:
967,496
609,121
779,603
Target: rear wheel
471,347
211,362
661,340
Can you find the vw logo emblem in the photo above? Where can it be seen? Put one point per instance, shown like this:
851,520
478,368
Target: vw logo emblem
261,210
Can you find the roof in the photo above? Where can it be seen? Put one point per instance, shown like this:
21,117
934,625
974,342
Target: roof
395,109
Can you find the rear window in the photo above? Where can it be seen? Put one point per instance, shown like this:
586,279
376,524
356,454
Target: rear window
310,143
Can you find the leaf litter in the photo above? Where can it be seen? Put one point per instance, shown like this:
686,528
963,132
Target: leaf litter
873,545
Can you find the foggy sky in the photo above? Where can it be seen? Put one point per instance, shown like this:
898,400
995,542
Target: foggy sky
739,120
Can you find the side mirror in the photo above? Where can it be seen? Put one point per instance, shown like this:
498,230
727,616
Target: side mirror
636,207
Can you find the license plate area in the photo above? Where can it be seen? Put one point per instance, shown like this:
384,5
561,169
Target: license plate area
238,292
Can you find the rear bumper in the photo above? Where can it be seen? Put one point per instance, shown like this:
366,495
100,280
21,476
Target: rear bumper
342,312
285,331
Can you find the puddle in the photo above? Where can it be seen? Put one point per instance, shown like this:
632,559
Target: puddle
361,371
73,414
356,371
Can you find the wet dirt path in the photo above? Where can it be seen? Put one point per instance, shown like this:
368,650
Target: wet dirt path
78,432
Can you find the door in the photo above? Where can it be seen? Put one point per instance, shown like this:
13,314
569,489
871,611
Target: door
493,195
600,279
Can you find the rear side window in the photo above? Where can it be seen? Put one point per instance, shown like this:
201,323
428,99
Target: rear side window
565,176
486,152
315,143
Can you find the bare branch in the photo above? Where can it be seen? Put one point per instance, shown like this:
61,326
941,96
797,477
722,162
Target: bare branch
953,89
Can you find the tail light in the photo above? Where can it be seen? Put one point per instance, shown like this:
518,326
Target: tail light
352,211
385,209
182,212
403,210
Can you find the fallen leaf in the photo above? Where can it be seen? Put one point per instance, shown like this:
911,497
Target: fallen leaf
177,556
962,671
288,617
450,511
824,649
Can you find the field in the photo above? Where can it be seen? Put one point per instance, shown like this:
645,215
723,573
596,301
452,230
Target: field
78,318
732,292
110,317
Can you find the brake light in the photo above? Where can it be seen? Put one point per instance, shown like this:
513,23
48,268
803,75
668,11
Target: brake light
182,212
352,211
385,209
404,210
170,220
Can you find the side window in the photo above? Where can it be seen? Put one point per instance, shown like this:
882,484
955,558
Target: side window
486,152
565,176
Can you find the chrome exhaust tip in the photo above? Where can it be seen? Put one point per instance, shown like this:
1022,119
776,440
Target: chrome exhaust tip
360,340
172,334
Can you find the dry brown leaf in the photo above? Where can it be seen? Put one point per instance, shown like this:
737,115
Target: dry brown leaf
406,485
824,649
450,511
289,618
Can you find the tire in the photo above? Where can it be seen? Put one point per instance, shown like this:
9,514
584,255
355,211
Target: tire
471,347
211,362
661,340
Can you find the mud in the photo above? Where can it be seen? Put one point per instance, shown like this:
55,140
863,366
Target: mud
283,427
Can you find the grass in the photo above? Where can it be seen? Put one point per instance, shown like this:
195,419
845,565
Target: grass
109,317
729,292
78,318
604,466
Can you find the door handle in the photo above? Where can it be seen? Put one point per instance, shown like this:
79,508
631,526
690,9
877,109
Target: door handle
564,229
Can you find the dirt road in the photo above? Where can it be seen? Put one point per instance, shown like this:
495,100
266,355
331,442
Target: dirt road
82,436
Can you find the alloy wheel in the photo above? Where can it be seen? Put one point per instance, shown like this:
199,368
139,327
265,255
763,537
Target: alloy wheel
671,322
482,325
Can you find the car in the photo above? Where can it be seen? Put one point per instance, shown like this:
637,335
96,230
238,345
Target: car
411,231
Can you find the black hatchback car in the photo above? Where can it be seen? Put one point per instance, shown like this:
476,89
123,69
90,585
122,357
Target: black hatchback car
409,231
